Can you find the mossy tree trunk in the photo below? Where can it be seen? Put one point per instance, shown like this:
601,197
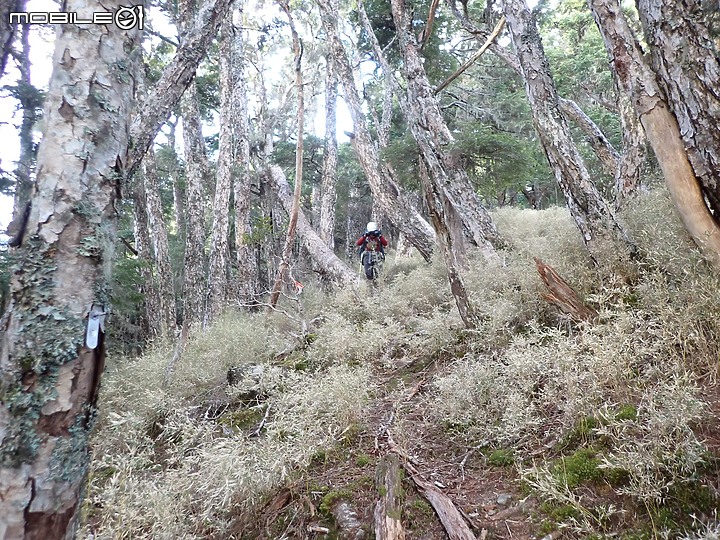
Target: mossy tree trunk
49,376
639,82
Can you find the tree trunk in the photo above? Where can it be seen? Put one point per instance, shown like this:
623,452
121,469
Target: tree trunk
219,249
591,213
432,136
388,482
175,79
330,158
247,278
687,64
153,313
290,238
386,192
629,170
325,260
49,374
164,276
604,150
444,215
177,188
196,175
639,83
608,156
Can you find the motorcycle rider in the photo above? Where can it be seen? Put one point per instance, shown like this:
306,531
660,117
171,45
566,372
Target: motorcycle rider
372,240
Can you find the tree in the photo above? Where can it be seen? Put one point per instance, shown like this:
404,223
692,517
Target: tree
217,282
176,77
330,156
50,373
160,258
290,237
432,136
661,127
386,192
591,213
687,64
8,29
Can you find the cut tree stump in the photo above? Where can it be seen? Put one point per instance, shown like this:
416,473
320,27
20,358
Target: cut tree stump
387,509
563,295
450,517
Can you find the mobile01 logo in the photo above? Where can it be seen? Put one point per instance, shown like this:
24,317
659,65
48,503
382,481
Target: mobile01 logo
125,18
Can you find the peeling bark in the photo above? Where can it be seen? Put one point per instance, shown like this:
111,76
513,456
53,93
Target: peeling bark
49,378
687,64
639,82
592,215
326,261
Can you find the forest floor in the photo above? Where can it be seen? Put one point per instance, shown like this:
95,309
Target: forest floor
287,424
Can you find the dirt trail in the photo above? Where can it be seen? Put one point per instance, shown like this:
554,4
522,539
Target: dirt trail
487,496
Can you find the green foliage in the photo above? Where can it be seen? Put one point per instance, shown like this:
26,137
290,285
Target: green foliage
579,468
502,457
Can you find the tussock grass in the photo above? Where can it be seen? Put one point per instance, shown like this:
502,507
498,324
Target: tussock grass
614,406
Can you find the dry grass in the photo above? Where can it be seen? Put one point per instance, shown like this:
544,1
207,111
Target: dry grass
631,389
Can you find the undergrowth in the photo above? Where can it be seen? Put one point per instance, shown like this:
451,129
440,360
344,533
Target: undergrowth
601,421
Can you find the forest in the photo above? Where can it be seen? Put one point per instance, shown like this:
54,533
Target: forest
203,338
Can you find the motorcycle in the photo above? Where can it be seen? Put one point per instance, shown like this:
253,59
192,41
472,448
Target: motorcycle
372,263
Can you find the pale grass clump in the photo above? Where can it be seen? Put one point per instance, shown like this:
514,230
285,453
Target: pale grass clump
344,342
655,227
188,481
540,384
551,235
658,449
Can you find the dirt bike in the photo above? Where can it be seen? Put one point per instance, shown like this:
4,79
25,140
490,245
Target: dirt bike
371,260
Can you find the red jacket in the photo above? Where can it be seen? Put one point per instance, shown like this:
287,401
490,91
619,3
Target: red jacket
363,238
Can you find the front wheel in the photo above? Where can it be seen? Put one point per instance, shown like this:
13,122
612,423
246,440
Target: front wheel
369,265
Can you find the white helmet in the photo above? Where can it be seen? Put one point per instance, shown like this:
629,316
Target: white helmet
371,227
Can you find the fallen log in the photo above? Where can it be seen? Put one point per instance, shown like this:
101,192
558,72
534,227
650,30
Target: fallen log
387,511
450,516
562,295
